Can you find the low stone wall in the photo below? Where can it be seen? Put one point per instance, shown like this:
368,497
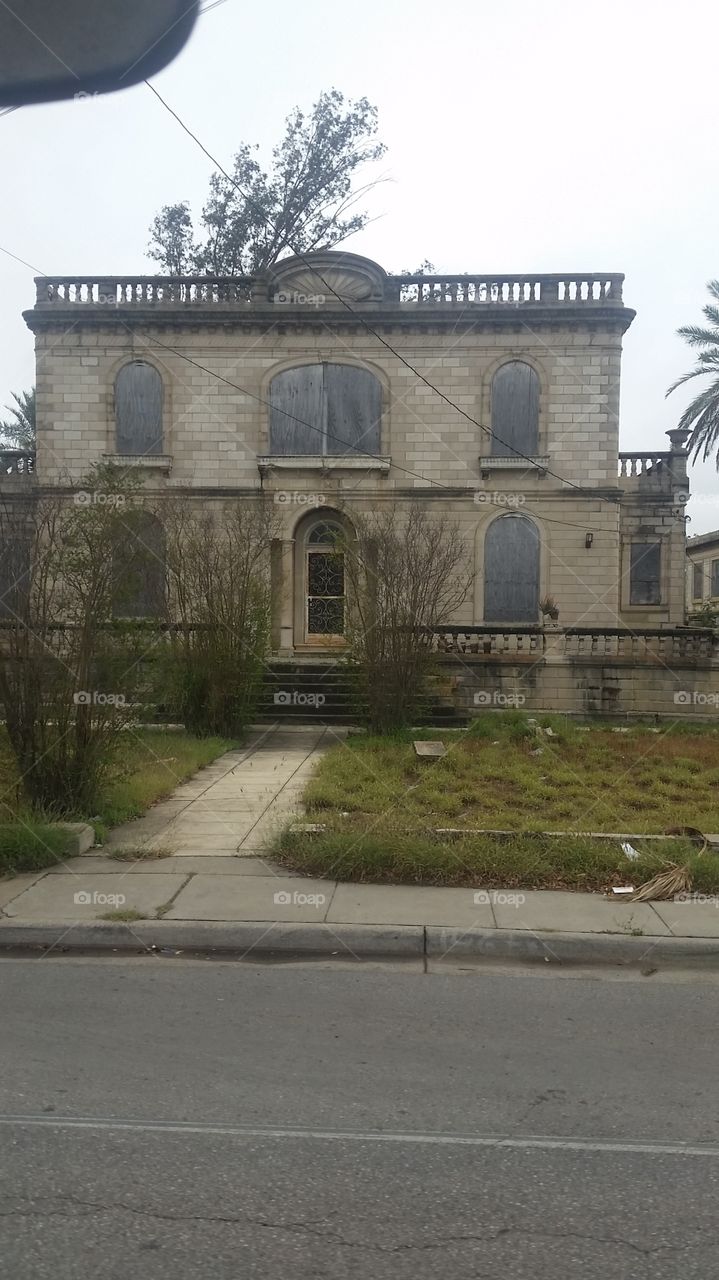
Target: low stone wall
585,686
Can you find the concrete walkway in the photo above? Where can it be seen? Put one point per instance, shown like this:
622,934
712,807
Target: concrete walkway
216,829
236,804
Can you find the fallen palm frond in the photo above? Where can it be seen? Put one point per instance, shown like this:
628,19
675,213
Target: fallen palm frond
675,879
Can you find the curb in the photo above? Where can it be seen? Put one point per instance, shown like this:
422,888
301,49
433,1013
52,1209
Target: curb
226,938
438,943
443,943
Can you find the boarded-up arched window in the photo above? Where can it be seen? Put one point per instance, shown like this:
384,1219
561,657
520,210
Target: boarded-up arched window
515,411
138,409
138,566
328,409
511,570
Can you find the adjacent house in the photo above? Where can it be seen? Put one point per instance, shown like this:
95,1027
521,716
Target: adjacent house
703,571
336,387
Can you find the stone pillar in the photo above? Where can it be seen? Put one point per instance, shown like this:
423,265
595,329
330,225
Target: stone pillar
282,587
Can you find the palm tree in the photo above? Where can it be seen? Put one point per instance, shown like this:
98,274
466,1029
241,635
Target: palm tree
701,417
18,432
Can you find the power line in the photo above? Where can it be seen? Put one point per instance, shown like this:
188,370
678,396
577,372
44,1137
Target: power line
29,265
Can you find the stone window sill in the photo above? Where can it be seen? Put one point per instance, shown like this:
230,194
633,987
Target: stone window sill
513,464
142,461
318,462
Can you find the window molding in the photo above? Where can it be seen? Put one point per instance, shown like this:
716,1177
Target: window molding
115,437
321,462
645,540
530,615
324,440
161,462
489,462
485,407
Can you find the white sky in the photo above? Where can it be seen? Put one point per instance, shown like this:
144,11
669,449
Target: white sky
559,136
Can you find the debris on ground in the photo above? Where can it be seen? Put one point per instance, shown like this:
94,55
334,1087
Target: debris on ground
430,750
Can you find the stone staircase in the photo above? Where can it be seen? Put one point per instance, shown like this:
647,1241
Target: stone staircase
326,693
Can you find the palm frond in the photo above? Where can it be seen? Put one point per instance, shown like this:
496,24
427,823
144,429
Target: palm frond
693,373
702,418
697,336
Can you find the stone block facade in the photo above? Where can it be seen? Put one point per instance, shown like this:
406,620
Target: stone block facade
435,346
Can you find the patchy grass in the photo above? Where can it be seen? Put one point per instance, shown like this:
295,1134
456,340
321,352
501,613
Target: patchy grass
380,805
597,781
150,764
527,861
29,845
139,853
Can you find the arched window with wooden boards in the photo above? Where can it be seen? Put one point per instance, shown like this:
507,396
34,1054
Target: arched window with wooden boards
515,411
511,570
138,409
325,409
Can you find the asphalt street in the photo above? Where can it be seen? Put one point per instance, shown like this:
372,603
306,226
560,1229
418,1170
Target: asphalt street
173,1119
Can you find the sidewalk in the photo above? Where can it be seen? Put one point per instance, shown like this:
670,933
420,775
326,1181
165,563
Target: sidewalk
217,890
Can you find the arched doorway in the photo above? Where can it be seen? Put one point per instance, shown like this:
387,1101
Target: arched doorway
320,588
511,570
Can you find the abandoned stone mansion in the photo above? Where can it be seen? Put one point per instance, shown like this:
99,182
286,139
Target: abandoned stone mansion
338,388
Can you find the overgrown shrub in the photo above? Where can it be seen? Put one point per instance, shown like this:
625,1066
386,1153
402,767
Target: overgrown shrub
408,573
218,611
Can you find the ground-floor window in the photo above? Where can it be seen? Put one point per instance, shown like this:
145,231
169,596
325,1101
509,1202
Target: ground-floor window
511,570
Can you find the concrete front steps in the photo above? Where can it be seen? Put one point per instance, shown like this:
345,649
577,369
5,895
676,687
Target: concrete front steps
312,692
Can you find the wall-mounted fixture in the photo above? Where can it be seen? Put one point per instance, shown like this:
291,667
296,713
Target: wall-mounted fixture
588,540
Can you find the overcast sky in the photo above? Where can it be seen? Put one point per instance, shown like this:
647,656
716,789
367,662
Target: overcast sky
559,136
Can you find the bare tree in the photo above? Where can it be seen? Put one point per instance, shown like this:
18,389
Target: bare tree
218,609
408,572
66,661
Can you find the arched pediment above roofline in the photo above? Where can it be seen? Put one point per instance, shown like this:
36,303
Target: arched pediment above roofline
325,279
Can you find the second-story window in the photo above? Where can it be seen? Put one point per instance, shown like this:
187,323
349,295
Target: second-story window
138,409
327,409
515,411
698,581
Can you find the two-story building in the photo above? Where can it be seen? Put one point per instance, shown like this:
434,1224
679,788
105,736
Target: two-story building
338,388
